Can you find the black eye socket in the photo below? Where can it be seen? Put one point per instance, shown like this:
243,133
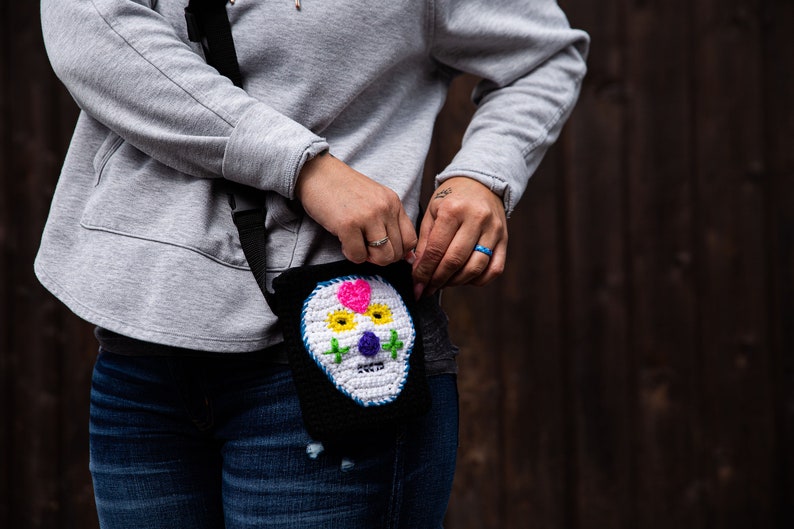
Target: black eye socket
377,315
341,321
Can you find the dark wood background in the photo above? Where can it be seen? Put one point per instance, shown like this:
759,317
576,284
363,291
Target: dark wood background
632,369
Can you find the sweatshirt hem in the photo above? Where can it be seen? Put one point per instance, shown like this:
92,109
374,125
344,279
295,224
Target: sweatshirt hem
163,337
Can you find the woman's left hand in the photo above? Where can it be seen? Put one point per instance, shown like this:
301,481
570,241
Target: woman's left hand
463,214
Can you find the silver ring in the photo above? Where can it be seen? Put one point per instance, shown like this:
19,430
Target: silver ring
483,249
379,242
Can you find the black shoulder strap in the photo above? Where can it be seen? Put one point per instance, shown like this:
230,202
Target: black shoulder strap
208,23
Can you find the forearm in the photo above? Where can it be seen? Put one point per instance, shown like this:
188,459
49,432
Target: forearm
515,125
532,64
127,67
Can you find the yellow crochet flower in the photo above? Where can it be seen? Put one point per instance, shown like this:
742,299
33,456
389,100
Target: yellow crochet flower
379,313
341,320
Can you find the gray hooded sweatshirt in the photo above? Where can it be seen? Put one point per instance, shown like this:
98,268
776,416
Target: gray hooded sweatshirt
140,238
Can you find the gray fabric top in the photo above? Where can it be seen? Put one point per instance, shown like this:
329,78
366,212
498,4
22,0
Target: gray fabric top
140,239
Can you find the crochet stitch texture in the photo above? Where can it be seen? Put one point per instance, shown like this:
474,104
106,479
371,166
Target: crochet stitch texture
358,330
362,315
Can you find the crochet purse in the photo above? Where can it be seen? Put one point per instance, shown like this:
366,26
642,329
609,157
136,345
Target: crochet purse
350,330
351,336
353,345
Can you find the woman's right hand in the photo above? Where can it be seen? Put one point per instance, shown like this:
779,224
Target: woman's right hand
356,209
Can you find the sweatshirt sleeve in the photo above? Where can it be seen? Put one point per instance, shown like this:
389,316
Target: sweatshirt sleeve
128,68
531,63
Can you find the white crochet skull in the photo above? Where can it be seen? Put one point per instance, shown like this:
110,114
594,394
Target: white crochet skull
358,330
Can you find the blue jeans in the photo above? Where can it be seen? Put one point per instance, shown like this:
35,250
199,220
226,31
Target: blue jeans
219,443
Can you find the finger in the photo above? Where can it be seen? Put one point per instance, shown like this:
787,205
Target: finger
481,267
354,247
424,231
496,265
434,250
407,233
478,262
395,242
380,247
456,255
425,228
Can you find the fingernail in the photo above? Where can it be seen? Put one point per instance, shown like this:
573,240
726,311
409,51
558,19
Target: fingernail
410,257
418,289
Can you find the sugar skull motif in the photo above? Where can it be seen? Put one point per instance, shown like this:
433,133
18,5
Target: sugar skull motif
359,332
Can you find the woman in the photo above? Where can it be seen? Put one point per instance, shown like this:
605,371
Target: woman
194,418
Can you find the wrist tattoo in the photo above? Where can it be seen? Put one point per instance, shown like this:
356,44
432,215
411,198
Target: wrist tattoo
443,192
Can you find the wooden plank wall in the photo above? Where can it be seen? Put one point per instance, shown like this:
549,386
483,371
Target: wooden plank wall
45,352
632,369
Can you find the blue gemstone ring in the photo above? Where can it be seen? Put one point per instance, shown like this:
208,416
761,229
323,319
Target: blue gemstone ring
483,249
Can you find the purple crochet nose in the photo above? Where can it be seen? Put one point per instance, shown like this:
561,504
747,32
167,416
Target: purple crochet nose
369,344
